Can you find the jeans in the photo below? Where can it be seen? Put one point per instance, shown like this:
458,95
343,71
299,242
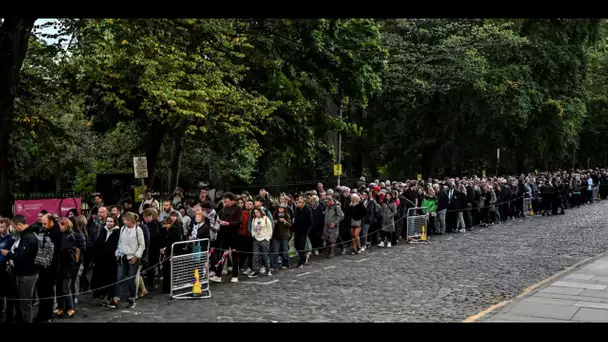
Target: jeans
126,272
460,223
261,249
364,232
441,221
25,290
279,247
65,301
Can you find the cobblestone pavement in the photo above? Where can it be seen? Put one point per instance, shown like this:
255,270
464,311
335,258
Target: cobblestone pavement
456,276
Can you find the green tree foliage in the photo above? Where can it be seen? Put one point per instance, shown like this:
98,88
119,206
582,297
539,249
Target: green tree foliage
258,100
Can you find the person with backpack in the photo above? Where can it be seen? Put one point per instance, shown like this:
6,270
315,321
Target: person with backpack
331,229
131,247
70,255
50,241
22,256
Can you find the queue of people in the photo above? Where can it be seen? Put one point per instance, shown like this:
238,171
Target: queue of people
124,247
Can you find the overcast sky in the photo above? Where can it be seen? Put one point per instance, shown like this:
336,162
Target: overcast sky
48,30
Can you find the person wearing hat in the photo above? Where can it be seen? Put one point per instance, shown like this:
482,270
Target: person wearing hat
280,237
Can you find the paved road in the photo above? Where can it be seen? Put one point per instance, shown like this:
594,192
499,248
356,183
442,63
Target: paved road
456,276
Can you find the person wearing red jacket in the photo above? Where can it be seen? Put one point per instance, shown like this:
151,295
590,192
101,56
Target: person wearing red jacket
245,240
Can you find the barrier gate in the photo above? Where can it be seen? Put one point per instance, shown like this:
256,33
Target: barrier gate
417,228
190,272
527,207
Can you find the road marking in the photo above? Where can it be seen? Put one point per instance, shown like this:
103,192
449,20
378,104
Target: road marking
450,238
261,283
385,253
362,260
329,267
301,274
131,312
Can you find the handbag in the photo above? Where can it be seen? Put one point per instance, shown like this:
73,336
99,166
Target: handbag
292,253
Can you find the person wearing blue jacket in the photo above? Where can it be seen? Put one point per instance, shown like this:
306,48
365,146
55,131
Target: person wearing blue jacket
7,282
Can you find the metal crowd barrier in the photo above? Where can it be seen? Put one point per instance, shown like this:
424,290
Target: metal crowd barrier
190,272
417,227
527,207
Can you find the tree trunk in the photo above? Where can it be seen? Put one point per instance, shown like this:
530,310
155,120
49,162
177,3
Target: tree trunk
153,145
14,36
177,147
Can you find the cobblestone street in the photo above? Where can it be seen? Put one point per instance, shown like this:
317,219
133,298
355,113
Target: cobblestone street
456,276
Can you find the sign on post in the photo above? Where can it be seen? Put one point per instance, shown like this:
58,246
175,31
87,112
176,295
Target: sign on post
140,167
338,170
483,172
419,176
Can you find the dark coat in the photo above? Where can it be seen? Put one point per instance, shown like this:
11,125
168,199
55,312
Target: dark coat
68,265
303,220
103,250
355,212
23,256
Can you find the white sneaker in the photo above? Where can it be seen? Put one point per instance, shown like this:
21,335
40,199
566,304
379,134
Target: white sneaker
215,279
247,271
229,268
362,249
234,280
262,270
388,245
269,273
224,271
316,252
380,244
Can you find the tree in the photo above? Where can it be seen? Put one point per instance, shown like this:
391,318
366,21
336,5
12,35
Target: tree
14,35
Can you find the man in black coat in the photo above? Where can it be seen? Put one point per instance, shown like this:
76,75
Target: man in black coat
301,226
453,204
25,270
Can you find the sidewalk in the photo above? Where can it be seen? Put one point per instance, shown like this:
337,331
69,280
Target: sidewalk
579,296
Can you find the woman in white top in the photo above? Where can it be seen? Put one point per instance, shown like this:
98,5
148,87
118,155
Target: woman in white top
261,231
131,246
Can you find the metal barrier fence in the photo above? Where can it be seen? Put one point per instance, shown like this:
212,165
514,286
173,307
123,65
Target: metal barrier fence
190,272
417,228
594,192
527,207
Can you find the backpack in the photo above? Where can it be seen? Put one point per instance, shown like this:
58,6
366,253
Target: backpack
377,212
46,248
75,251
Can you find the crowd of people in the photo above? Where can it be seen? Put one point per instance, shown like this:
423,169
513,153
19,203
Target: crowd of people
49,262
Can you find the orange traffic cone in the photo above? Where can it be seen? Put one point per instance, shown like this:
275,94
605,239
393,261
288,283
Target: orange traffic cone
423,234
196,286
